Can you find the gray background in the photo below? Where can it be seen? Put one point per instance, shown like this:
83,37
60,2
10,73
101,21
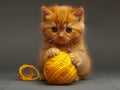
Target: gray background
20,37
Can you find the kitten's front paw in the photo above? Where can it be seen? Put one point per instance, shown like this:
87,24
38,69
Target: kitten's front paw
76,59
52,52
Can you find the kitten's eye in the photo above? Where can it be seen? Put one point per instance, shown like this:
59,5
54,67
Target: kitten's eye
54,29
68,29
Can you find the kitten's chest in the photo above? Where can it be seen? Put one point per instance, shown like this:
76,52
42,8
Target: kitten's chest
65,49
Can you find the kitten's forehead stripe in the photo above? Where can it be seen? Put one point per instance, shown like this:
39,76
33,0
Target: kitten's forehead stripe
62,16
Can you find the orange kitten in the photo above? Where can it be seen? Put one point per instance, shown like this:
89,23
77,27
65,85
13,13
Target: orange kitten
63,30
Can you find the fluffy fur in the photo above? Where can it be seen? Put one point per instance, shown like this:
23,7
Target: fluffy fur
63,30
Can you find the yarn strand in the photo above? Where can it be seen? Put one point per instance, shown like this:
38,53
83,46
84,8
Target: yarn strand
30,76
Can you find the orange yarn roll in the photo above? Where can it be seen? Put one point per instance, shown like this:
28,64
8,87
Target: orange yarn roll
59,69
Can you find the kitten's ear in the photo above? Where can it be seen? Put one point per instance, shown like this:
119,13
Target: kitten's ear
45,12
79,13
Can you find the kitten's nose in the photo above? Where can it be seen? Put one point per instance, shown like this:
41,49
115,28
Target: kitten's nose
61,36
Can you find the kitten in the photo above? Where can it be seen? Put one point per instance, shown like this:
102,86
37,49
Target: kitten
63,30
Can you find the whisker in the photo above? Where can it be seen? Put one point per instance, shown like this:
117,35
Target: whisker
51,39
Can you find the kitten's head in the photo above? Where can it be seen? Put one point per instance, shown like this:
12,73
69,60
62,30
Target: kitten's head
62,24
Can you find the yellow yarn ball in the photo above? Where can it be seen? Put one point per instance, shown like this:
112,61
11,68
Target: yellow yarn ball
59,69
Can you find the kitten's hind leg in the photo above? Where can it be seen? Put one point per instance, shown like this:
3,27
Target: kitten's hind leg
42,77
77,78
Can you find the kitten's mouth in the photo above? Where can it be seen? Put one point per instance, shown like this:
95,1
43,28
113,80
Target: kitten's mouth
60,41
